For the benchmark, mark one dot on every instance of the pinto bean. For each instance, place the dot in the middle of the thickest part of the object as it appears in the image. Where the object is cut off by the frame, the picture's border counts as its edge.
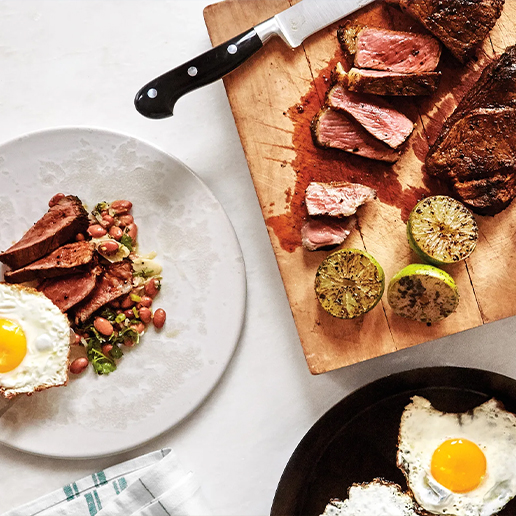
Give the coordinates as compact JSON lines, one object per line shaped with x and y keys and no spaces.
{"x":125,"y":220}
{"x":146,"y":301}
{"x":80,"y":237}
{"x":57,"y":197}
{"x":116,"y":232}
{"x":160,"y":316}
{"x":78,"y":365}
{"x":96,"y":231}
{"x":103,"y":326}
{"x":109,"y":247}
{"x":107,"y":221}
{"x":152,"y":287}
{"x":129,"y":314}
{"x":132,"y":230}
{"x":106,"y":348}
{"x":145,"y":315}
{"x":121,"y":206}
{"x":126,"y":302}
{"x":139,"y":328}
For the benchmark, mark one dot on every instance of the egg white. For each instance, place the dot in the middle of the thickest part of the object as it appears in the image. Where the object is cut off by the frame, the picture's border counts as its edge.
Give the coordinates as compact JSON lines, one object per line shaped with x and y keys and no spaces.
{"x":423,"y":429}
{"x":47,"y":332}
{"x":376,"y":498}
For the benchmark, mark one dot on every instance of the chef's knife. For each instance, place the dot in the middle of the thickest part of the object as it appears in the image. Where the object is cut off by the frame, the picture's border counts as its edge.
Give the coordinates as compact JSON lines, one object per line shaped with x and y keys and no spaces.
{"x":157,"y":98}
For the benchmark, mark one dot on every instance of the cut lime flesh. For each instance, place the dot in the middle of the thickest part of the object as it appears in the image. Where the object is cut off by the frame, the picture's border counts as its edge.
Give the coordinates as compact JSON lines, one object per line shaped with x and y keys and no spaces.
{"x":423,"y":293}
{"x":349,"y":283}
{"x":441,"y":230}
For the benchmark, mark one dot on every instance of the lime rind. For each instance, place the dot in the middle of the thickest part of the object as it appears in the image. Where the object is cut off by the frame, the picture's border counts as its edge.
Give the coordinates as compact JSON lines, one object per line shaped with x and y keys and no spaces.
{"x":441,"y":230}
{"x":349,"y":283}
{"x":423,"y":293}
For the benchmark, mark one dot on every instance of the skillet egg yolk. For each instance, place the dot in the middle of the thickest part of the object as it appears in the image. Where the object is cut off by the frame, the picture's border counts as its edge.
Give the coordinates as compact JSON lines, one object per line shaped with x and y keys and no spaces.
{"x":459,"y":465}
{"x":13,"y":345}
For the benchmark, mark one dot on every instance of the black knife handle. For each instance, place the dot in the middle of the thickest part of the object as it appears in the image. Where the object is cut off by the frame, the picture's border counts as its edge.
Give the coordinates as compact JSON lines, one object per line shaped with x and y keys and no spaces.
{"x":157,"y":98}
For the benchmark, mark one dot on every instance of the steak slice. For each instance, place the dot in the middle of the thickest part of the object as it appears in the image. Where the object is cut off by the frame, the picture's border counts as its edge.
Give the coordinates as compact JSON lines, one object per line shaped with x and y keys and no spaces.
{"x":68,"y":291}
{"x":461,"y":25}
{"x":374,"y":114}
{"x":115,"y":282}
{"x":326,"y":232}
{"x":68,"y":259}
{"x":331,"y":129}
{"x":388,"y":50}
{"x":59,"y":225}
{"x":476,"y":150}
{"x":339,"y":199}
{"x":377,"y":82}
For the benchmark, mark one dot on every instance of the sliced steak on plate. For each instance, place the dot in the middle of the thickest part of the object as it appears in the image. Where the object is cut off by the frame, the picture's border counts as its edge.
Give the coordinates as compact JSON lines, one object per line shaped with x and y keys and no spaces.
{"x":68,"y":259}
{"x":59,"y":225}
{"x":67,"y":291}
{"x":461,"y":25}
{"x":113,"y":283}
{"x":389,"y":50}
{"x":373,"y":113}
{"x":378,"y":82}
{"x":476,"y":150}
{"x":326,"y":232}
{"x":338,"y":199}
{"x":338,"y":131}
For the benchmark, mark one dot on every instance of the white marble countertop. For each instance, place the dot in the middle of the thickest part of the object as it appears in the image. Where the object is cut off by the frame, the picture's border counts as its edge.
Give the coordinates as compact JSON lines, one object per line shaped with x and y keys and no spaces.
{"x":79,"y":63}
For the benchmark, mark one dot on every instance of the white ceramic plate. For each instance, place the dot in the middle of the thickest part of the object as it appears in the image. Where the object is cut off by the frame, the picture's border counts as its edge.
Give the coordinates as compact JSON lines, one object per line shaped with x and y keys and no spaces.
{"x":162,"y":380}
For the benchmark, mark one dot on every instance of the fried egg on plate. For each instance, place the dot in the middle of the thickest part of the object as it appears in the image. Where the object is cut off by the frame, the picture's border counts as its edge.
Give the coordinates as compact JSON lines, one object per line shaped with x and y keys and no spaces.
{"x":459,"y":464}
{"x":376,"y":498}
{"x":34,"y":341}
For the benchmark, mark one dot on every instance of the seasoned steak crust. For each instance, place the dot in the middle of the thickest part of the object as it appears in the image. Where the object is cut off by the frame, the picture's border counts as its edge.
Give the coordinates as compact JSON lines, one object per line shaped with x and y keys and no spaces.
{"x":59,"y":225}
{"x":476,"y":149}
{"x":67,"y":259}
{"x":115,"y":282}
{"x":461,"y":25}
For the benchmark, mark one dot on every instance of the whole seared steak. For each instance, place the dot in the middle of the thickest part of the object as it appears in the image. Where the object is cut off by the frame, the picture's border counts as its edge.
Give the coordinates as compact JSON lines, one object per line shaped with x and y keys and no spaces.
{"x":57,"y":227}
{"x":461,"y":25}
{"x":476,"y":150}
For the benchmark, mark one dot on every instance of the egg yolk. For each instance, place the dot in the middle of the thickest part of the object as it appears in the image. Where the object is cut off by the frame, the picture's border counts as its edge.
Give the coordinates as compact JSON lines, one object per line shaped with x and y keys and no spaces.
{"x":13,"y":345}
{"x":459,"y":465}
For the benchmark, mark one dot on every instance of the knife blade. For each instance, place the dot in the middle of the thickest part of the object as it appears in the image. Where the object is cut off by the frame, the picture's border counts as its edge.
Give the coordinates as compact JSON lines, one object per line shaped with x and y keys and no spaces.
{"x":293,"y":25}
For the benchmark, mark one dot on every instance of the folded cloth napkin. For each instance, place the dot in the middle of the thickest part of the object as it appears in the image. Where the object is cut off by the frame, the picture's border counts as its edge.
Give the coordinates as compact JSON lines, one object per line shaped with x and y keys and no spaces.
{"x":154,"y":484}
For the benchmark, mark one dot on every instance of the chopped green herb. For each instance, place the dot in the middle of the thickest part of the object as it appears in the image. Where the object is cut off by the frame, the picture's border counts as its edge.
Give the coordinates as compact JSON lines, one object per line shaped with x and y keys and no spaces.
{"x":127,"y":241}
{"x":144,"y":273}
{"x":120,"y":318}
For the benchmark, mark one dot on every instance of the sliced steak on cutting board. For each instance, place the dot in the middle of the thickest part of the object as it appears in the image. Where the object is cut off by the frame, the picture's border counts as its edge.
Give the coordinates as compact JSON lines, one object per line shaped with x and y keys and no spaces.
{"x":59,"y":225}
{"x":338,"y":131}
{"x":68,"y":259}
{"x":326,"y":232}
{"x":378,"y":82}
{"x":461,"y":25}
{"x":476,"y":150}
{"x":388,"y":50}
{"x":373,"y":113}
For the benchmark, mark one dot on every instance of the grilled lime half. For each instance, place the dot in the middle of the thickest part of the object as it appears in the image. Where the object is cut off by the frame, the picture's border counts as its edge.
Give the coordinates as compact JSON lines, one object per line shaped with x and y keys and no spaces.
{"x":423,"y":293}
{"x":349,"y":283}
{"x":441,"y":230}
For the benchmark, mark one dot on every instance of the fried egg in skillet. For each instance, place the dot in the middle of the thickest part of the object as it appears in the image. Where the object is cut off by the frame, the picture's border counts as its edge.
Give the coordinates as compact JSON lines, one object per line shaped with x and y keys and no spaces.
{"x":458,"y":464}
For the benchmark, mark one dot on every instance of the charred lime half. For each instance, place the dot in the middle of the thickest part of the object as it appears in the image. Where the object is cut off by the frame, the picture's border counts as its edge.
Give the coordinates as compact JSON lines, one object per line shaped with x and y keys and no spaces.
{"x":349,"y":283}
{"x":441,"y":230}
{"x":423,"y":293}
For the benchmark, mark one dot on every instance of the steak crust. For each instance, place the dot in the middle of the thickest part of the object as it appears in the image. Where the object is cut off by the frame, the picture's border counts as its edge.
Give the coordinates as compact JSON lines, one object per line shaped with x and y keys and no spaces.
{"x":59,"y":225}
{"x":461,"y":25}
{"x":476,"y":150}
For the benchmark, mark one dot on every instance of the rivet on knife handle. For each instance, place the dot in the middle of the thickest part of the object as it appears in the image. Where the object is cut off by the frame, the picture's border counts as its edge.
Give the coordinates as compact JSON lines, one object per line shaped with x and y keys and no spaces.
{"x":157,"y":98}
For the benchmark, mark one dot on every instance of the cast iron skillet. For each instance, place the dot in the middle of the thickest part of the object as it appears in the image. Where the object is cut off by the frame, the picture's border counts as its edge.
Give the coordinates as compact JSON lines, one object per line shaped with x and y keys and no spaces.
{"x":355,"y":441}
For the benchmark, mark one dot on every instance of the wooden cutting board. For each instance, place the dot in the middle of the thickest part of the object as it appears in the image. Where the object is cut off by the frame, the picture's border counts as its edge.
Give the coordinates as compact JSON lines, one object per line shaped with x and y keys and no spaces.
{"x":273,"y":98}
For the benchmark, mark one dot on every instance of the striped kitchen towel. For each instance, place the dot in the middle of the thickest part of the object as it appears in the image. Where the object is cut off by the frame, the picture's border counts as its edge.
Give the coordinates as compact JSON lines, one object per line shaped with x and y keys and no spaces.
{"x":154,"y":484}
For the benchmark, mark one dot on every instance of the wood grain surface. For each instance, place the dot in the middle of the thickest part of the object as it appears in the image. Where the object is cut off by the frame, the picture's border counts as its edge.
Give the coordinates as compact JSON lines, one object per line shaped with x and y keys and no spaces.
{"x":273,"y":97}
